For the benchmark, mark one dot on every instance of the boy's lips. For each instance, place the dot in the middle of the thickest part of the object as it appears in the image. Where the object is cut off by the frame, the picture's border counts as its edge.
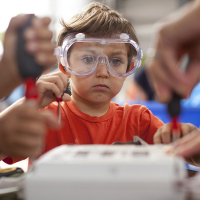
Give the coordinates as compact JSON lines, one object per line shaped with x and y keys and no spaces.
{"x":101,"y":86}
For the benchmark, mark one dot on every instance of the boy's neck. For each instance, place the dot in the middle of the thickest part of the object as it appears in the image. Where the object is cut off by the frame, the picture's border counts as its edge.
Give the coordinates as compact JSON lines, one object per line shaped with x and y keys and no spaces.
{"x":92,"y":109}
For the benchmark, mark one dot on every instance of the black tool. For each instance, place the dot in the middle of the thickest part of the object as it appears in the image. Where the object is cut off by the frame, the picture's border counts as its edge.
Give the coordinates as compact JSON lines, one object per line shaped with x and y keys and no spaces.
{"x":174,"y":106}
{"x":174,"y":110}
{"x":26,"y":62}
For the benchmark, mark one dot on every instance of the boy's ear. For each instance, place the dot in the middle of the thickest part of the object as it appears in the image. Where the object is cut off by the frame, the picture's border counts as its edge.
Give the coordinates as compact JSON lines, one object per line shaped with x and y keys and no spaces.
{"x":132,"y":65}
{"x":62,"y":69}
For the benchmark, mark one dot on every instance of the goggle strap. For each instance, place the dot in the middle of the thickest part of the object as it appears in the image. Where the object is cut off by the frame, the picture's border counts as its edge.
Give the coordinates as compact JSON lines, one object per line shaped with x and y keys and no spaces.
{"x":58,"y":52}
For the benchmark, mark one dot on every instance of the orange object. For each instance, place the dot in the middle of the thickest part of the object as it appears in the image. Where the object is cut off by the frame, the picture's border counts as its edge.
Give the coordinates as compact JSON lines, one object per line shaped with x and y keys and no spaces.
{"x":120,"y":123}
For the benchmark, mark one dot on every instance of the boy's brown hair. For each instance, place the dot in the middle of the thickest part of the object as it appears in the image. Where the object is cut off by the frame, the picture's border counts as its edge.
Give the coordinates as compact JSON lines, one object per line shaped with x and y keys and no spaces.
{"x":96,"y":19}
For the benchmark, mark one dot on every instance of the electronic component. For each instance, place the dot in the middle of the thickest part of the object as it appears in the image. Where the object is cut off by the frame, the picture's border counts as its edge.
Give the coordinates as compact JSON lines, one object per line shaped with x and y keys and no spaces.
{"x":106,"y":172}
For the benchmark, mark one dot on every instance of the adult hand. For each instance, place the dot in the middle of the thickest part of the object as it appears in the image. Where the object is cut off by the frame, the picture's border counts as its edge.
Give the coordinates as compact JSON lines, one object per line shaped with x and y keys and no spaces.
{"x":22,"y":130}
{"x":187,"y":147}
{"x":175,"y":39}
{"x":38,"y":43}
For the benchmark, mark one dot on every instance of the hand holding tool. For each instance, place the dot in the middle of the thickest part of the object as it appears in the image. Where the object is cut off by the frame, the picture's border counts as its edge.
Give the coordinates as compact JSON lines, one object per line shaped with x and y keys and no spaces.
{"x":59,"y":109}
{"x":28,"y":68}
{"x":174,"y":106}
{"x":174,"y":109}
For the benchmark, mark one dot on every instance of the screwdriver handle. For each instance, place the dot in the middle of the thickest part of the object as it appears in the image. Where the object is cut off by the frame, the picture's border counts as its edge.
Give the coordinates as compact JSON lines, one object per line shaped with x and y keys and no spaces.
{"x":26,"y":63}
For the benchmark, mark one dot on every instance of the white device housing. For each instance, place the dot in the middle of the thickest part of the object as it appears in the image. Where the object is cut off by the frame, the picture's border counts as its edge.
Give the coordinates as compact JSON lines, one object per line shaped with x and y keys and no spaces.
{"x":105,"y":172}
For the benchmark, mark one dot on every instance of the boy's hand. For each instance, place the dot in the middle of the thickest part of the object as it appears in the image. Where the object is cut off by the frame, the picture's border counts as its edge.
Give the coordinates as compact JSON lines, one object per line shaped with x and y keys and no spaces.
{"x":165,"y":135}
{"x":22,"y":130}
{"x":51,"y":86}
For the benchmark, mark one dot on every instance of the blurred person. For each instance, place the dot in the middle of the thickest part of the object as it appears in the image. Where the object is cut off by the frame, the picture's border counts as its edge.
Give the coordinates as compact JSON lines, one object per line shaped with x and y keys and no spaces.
{"x":22,"y":129}
{"x":139,"y":88}
{"x":178,"y":37}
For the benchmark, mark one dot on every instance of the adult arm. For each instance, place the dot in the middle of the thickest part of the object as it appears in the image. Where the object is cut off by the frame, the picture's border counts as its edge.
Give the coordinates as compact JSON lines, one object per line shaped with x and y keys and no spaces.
{"x":38,"y":43}
{"x":23,"y":128}
{"x":177,"y":37}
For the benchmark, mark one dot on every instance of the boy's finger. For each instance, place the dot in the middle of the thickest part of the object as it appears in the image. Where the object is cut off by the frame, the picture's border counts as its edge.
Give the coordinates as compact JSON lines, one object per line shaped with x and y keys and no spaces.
{"x":66,"y":97}
{"x":157,"y":137}
{"x":50,"y":87}
{"x":176,"y":134}
{"x":166,"y":134}
{"x":64,"y":78}
{"x":50,"y":118}
{"x":57,"y":81}
{"x":185,"y":129}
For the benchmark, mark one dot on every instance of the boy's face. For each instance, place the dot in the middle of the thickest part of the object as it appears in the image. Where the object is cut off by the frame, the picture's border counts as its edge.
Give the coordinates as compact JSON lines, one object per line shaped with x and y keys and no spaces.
{"x":100,"y":86}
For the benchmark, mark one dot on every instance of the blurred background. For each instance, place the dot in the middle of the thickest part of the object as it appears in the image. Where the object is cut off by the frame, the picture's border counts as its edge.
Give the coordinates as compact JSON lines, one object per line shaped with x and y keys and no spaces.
{"x":143,"y":14}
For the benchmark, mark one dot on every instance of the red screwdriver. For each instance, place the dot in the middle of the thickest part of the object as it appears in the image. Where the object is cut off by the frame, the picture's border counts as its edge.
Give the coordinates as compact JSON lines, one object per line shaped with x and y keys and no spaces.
{"x":28,"y":68}
{"x":174,"y":110}
{"x":174,"y":106}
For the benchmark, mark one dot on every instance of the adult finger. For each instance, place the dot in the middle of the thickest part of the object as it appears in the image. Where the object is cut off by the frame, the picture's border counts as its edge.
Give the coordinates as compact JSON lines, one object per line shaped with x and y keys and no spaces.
{"x":188,"y":145}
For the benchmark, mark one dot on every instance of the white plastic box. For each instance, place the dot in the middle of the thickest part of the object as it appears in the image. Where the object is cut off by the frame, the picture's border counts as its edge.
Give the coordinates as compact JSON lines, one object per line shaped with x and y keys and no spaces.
{"x":105,"y":172}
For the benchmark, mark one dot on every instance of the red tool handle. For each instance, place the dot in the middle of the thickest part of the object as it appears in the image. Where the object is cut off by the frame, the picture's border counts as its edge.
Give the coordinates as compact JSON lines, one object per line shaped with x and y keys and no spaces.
{"x":175,"y":125}
{"x":58,"y":99}
{"x":31,"y":89}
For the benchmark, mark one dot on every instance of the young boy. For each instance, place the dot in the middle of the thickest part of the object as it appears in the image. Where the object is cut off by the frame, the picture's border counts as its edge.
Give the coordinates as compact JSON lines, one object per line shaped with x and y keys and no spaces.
{"x":97,"y":50}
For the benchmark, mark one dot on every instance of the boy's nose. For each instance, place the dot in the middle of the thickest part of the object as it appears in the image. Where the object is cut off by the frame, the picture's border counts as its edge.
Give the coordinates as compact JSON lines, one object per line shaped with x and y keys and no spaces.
{"x":101,"y":69}
{"x":102,"y":60}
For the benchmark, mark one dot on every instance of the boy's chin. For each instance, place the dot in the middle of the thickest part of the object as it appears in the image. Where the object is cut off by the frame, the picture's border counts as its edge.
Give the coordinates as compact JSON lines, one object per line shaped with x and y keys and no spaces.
{"x":100,"y":100}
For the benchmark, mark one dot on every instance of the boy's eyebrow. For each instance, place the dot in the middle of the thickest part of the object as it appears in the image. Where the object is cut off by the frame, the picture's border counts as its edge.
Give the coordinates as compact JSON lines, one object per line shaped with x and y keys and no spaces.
{"x":89,"y":50}
{"x":94,"y":52}
{"x":119,"y":52}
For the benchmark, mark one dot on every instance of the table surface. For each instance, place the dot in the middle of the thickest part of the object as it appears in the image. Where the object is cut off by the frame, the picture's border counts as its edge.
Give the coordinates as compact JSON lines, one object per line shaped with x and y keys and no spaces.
{"x":13,"y":195}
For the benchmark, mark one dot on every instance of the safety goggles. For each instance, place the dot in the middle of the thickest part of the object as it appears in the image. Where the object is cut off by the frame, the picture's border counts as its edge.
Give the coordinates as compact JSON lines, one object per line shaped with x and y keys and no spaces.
{"x":81,"y":55}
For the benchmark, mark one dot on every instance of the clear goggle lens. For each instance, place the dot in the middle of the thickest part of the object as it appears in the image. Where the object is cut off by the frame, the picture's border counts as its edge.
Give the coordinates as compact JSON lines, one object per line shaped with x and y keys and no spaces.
{"x":81,"y":55}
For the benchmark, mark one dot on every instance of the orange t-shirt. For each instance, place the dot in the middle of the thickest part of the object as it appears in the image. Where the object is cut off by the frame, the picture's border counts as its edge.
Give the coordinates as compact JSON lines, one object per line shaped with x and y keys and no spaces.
{"x":120,"y":123}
